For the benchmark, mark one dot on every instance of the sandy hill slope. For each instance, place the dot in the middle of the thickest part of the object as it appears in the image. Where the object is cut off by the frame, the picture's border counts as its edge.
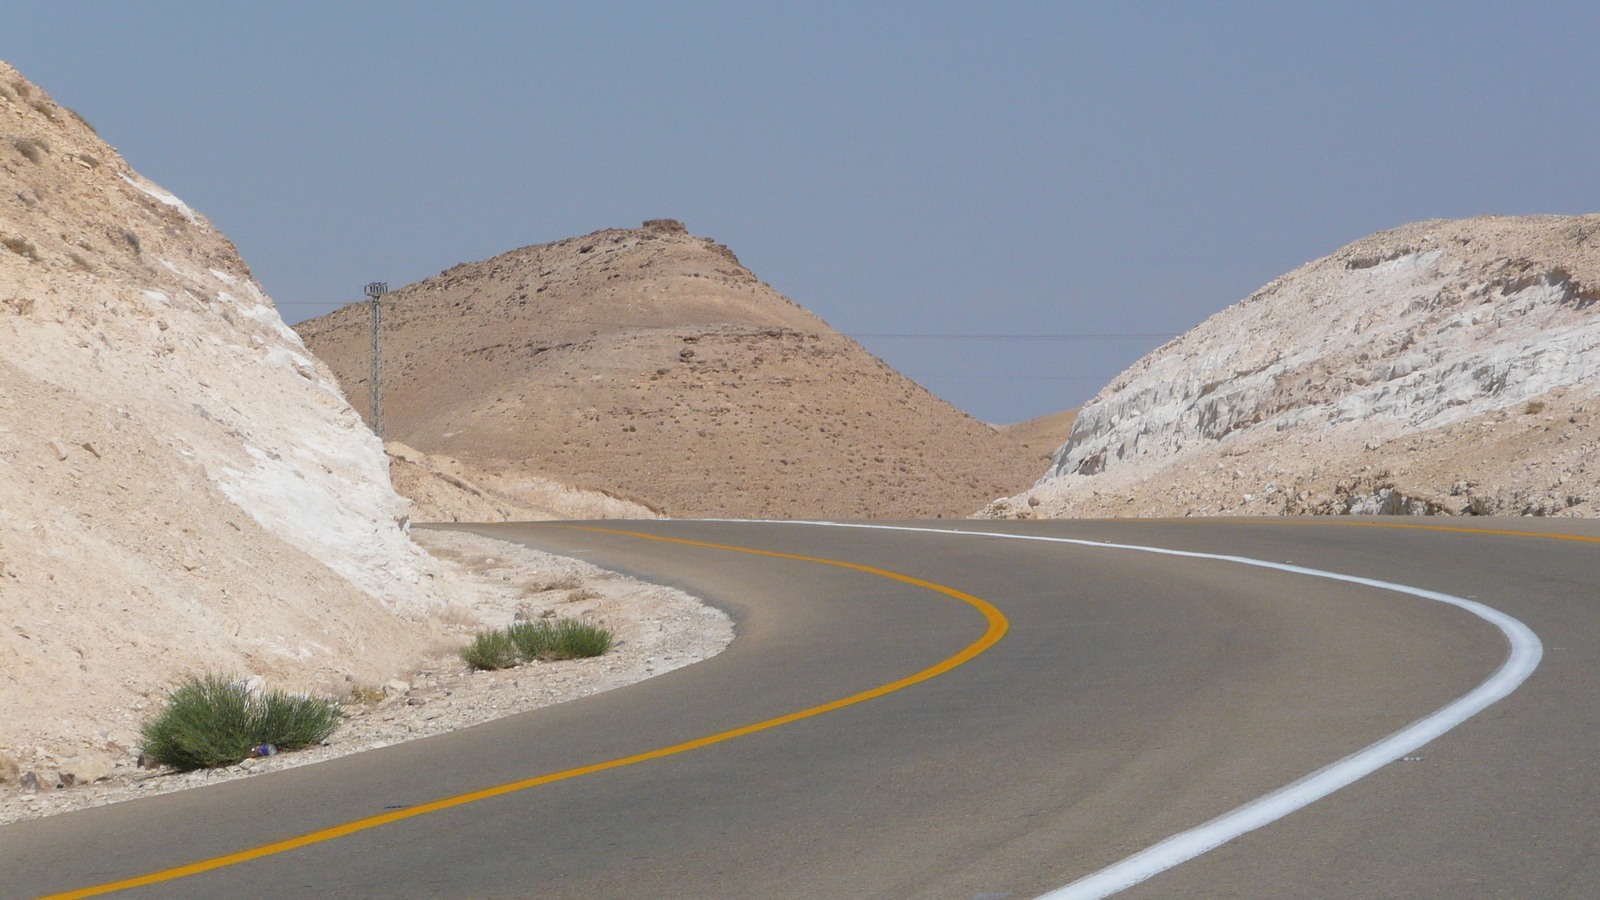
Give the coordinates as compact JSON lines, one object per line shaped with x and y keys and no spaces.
{"x":1043,"y":435}
{"x":182,"y":486}
{"x":1441,"y":367}
{"x":650,"y":363}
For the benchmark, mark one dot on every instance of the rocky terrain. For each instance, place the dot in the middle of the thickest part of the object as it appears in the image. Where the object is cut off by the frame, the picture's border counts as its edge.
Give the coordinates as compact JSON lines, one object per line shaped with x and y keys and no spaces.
{"x":183,"y":487}
{"x":1444,"y":367}
{"x":658,"y":629}
{"x":649,"y":364}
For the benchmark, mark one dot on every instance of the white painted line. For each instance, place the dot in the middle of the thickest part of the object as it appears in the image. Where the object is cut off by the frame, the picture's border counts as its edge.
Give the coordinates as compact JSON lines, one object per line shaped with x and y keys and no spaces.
{"x":1520,"y":663}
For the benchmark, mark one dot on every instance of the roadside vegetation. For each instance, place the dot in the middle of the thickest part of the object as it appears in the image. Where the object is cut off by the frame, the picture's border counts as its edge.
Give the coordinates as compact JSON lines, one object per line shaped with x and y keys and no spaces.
{"x":211,"y":721}
{"x":545,"y":639}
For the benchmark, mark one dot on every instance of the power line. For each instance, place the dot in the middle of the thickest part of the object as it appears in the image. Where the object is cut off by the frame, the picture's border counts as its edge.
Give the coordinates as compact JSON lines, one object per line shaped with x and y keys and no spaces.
{"x":879,"y":335}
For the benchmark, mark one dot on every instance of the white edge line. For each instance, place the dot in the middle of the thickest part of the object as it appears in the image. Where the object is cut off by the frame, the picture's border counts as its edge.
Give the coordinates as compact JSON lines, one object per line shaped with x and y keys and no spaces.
{"x":1526,"y":651}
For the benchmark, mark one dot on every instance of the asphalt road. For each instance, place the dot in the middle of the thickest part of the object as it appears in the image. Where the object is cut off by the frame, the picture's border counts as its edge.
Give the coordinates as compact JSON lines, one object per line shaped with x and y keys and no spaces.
{"x":1134,"y":696}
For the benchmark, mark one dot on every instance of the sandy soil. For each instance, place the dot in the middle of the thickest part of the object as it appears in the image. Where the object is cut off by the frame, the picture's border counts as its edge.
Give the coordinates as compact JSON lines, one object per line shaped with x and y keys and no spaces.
{"x":649,"y":364}
{"x":658,"y":629}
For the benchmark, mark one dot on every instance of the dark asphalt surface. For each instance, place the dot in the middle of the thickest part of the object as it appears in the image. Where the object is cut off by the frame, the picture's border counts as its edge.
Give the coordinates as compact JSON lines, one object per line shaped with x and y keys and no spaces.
{"x":1134,"y":696}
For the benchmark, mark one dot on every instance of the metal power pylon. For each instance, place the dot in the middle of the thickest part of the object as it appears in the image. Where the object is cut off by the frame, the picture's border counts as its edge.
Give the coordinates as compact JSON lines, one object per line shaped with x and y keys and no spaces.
{"x":375,"y":292}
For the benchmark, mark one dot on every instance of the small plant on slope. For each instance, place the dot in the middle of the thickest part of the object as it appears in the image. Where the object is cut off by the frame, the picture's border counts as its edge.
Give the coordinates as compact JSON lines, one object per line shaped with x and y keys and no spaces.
{"x":560,"y":639}
{"x":212,"y":721}
{"x":490,"y":650}
{"x":503,"y":648}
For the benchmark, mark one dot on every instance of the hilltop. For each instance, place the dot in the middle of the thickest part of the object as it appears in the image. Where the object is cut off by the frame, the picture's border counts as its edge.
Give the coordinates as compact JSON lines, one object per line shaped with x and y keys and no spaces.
{"x":652,"y":365}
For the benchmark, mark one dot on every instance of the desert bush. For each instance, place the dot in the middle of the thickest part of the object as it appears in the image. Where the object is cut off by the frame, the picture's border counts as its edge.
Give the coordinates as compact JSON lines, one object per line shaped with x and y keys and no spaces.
{"x":543,"y":639}
{"x":212,"y":721}
{"x":576,"y":639}
{"x":21,"y":247}
{"x":79,"y":116}
{"x":490,"y":650}
{"x":1534,"y":407}
{"x":31,"y":149}
{"x":366,"y":695}
{"x":559,"y":639}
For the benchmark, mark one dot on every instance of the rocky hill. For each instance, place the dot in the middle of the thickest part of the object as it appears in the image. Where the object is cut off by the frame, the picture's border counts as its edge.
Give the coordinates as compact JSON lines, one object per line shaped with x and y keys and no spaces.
{"x":650,"y":364}
{"x":182,"y":485}
{"x":1444,"y":367}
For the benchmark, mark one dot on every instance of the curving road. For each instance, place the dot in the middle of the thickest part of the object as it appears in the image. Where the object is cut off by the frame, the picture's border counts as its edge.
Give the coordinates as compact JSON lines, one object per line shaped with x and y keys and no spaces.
{"x":1132,"y":696}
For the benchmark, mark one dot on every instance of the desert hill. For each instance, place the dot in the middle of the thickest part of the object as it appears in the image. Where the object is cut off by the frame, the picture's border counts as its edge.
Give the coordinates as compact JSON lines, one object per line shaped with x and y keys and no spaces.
{"x":649,"y":363}
{"x":182,"y":486}
{"x":1444,"y":367}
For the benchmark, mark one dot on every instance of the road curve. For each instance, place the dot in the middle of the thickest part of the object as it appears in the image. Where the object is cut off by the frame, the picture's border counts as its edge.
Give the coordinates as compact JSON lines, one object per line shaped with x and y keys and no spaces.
{"x":1133,"y":697}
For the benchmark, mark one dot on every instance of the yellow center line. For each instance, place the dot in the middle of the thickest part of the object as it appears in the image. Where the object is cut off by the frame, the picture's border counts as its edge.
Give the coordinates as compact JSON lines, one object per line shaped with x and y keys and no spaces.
{"x":995,"y":631}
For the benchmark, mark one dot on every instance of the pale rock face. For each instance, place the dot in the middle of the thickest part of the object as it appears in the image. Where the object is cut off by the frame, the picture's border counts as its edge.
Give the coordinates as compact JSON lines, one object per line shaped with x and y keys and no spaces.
{"x":1415,"y":333}
{"x":182,"y":485}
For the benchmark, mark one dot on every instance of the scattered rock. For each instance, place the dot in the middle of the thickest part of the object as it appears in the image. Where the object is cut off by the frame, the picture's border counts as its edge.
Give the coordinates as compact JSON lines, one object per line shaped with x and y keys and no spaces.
{"x":86,"y":769}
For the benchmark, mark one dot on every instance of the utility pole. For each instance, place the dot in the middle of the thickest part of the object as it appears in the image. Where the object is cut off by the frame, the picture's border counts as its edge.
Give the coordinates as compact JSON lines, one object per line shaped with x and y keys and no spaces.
{"x":375,"y":292}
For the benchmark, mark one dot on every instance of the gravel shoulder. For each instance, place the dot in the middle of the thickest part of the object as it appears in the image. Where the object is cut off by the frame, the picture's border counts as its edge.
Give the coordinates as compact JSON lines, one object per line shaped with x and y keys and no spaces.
{"x":658,"y":629}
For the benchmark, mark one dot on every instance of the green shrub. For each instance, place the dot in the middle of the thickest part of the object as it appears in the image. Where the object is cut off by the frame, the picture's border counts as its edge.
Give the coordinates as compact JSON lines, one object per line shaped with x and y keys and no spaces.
{"x":212,"y":721}
{"x":559,"y":639}
{"x":575,"y":639}
{"x":532,"y":639}
{"x":544,"y":639}
{"x":490,"y":650}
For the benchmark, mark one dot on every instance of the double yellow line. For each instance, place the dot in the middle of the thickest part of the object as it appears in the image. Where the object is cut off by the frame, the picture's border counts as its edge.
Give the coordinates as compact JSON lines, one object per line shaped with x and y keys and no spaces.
{"x":997,"y":626}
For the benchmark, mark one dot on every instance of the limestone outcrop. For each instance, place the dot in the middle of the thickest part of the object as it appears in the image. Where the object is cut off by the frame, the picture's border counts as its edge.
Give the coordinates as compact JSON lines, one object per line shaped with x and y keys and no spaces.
{"x":182,"y":485}
{"x":1441,"y":367}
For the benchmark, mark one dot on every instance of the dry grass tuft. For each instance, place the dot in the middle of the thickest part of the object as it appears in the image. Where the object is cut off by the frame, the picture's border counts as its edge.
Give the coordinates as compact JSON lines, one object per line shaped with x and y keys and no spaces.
{"x":31,"y":149}
{"x":85,"y":122}
{"x":21,"y":247}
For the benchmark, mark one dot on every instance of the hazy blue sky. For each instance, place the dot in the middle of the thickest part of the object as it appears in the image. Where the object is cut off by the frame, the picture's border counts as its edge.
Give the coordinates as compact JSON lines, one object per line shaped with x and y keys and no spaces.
{"x":1062,"y":168}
